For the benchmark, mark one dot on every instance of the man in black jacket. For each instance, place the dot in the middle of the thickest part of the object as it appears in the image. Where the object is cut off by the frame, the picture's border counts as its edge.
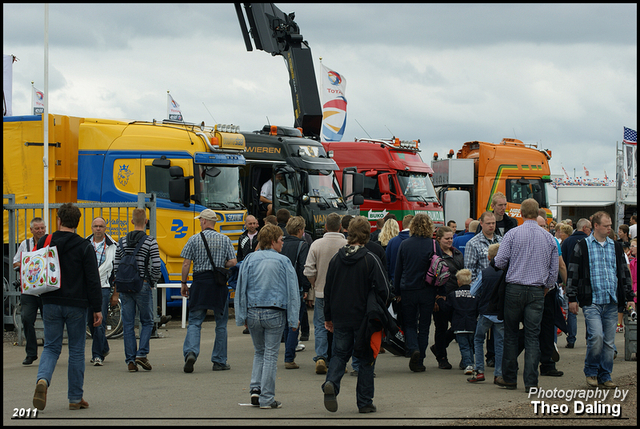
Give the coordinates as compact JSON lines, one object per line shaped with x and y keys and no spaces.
{"x":583,"y":229}
{"x":248,"y":240}
{"x":353,"y":273}
{"x":599,"y":282}
{"x":296,"y":249}
{"x":79,"y":290}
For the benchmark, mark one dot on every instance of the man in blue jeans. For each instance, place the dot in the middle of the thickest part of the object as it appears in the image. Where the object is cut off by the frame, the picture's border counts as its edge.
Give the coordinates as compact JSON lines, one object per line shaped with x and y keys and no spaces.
{"x":315,"y":268}
{"x":148,"y":263}
{"x":530,"y":256}
{"x":205,"y":294}
{"x":599,"y":282}
{"x":67,"y":306}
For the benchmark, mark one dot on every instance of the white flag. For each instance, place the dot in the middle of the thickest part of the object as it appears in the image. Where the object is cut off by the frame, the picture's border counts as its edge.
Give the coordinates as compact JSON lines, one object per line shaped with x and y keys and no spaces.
{"x":38,"y":101}
{"x":173,"y":109}
{"x":7,"y":83}
{"x":334,"y":105}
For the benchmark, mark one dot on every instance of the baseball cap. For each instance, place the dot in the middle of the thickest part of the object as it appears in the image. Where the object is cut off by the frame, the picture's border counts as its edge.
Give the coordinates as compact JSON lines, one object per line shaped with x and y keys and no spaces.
{"x":207,"y":214}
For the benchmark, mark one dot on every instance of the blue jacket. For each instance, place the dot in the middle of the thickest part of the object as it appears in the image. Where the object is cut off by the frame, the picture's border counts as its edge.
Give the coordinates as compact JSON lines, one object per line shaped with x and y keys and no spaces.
{"x":392,"y":252}
{"x":412,"y":263}
{"x":460,"y":242}
{"x":267,"y":279}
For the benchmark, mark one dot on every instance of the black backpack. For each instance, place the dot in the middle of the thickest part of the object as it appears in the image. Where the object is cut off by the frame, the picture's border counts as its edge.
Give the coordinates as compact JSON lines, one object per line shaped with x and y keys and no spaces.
{"x":128,"y":278}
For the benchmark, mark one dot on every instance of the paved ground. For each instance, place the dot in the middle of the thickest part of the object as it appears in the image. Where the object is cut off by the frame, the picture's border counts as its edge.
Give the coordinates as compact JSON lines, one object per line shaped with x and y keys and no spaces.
{"x":168,"y":396}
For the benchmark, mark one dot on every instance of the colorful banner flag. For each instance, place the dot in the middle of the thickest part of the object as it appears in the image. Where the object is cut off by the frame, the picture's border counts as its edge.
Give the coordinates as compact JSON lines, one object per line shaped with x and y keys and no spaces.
{"x":630,"y":145}
{"x":37,"y":101}
{"x":173,"y":109}
{"x":334,"y":105}
{"x":7,"y":84}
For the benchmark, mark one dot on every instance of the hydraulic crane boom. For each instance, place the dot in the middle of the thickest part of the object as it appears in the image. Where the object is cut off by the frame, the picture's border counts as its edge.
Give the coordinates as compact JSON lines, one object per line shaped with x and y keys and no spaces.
{"x":275,"y":32}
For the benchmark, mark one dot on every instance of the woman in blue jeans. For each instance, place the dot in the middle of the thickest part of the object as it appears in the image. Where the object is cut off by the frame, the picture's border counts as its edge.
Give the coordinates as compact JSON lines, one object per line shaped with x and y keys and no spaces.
{"x":267,"y":297}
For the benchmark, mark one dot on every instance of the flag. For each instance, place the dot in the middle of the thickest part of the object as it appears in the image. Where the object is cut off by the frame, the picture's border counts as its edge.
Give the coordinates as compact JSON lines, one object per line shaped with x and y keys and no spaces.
{"x":586,"y":172}
{"x":565,"y":172}
{"x":173,"y":109}
{"x":630,"y":136}
{"x":37,"y":101}
{"x":7,"y":84}
{"x":630,"y":145}
{"x":334,"y":105}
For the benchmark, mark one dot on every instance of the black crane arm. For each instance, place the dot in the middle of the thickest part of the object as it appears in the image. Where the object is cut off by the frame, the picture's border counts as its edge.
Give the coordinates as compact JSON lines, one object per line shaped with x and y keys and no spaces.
{"x":275,"y":32}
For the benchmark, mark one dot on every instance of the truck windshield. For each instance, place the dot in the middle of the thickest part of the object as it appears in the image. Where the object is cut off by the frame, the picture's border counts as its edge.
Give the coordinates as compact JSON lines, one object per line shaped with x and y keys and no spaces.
{"x":323,"y":188}
{"x":519,"y":190}
{"x":219,"y":187}
{"x":417,"y":187}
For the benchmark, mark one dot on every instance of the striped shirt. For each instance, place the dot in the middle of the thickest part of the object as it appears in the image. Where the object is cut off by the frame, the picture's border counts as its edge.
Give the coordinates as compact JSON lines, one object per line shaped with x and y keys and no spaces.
{"x":220,"y":247}
{"x":532,"y":255}
{"x":602,"y":268}
{"x":150,"y":247}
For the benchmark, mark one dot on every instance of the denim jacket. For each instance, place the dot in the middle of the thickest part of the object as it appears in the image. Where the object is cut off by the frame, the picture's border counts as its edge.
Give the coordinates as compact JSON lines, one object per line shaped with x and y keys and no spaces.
{"x":267,"y":279}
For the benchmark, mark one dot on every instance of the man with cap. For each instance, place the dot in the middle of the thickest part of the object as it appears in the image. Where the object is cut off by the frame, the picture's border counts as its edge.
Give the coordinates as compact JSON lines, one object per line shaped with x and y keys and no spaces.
{"x":205,"y":293}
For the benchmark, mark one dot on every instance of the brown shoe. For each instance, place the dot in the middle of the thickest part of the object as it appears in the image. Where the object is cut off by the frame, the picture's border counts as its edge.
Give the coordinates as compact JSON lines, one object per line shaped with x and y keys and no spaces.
{"x":40,"y":395}
{"x":78,"y":405}
{"x":144,"y":363}
{"x":291,"y":365}
{"x":133,"y":367}
{"x":321,"y":366}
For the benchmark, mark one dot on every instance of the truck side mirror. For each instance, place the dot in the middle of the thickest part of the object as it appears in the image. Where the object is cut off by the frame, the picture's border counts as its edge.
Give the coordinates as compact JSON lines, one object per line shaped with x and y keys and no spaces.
{"x":179,"y":191}
{"x":358,"y":200}
{"x":386,"y":198}
{"x":383,"y":183}
{"x":179,"y":186}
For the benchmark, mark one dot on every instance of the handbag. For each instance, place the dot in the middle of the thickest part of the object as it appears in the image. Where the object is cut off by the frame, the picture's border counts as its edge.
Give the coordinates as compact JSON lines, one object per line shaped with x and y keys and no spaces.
{"x":40,"y":269}
{"x":221,"y":275}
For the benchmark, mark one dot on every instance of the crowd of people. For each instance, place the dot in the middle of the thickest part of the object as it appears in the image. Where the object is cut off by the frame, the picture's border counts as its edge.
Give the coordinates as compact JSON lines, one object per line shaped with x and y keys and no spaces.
{"x":512,"y":287}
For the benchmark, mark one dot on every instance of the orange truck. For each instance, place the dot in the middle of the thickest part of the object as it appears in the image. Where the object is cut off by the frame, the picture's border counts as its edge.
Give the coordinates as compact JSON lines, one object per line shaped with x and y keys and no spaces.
{"x":466,"y":183}
{"x":396,"y":179}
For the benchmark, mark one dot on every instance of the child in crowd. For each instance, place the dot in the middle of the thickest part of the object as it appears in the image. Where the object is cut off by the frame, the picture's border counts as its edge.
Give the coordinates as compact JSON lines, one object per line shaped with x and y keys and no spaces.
{"x":482,"y":289}
{"x":464,"y":317}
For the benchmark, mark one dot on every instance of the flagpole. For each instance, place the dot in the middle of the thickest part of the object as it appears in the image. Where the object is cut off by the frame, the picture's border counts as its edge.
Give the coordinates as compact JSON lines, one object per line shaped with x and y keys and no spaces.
{"x":45,"y":118}
{"x":33,"y":90}
{"x":168,"y":105}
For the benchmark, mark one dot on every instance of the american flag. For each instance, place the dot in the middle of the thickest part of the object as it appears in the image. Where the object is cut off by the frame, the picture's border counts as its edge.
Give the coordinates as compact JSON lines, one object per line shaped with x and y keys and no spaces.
{"x":630,"y":136}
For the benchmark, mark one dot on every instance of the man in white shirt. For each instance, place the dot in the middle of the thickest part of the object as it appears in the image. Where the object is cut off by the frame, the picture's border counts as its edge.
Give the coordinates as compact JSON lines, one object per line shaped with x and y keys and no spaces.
{"x":29,"y":304}
{"x":633,"y":228}
{"x":266,"y":193}
{"x":105,"y":249}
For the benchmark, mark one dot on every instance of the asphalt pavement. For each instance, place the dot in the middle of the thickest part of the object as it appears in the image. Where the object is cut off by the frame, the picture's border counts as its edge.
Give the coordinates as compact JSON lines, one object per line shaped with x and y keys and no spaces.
{"x":168,"y":396}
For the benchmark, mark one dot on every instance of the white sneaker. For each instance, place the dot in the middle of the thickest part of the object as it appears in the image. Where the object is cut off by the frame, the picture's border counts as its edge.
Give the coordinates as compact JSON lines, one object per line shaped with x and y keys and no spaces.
{"x":97,"y":362}
{"x":300,"y":347}
{"x":468,"y":370}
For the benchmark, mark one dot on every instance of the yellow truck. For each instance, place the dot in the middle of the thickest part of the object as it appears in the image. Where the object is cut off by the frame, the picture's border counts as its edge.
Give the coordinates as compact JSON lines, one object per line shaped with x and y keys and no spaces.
{"x":189,"y":168}
{"x":466,"y":183}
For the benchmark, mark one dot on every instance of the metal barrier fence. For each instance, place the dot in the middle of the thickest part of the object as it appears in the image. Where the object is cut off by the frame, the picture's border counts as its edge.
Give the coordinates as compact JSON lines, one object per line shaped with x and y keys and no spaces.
{"x":17,"y":219}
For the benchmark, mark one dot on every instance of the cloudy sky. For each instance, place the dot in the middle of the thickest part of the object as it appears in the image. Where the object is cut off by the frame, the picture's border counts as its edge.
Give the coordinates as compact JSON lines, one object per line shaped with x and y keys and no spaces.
{"x":562,"y":76}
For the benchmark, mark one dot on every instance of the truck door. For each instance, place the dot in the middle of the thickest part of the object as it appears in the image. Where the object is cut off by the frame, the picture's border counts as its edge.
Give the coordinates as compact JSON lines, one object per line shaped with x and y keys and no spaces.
{"x":378,"y":199}
{"x":175,"y":222}
{"x":286,"y":190}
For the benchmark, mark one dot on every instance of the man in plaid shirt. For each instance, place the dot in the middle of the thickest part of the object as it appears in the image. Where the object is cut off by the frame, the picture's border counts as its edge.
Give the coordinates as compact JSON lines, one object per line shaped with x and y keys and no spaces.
{"x":205,"y":293}
{"x":599,"y":281}
{"x":477,"y":249}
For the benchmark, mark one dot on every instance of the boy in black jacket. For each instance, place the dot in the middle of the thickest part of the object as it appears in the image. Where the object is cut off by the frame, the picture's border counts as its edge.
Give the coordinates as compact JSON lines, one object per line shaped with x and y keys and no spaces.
{"x":463,"y":320}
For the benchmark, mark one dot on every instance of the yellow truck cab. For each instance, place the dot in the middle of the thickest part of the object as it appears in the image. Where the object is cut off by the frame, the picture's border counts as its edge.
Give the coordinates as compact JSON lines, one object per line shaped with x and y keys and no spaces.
{"x":189,"y":168}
